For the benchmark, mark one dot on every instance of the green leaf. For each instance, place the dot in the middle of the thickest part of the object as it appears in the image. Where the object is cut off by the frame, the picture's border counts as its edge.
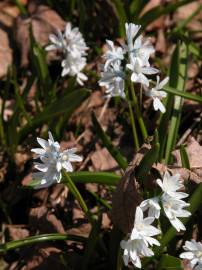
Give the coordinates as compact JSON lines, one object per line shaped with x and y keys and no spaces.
{"x":116,"y":154}
{"x":160,"y":10}
{"x":73,"y":189}
{"x":103,"y":178}
{"x":165,"y":118}
{"x":148,"y":160}
{"x":184,"y":157}
{"x":120,"y":11}
{"x":168,"y":262}
{"x":180,"y":93}
{"x":38,"y":239}
{"x":66,"y":104}
{"x":136,"y":7}
{"x":180,"y":79}
{"x":91,"y":243}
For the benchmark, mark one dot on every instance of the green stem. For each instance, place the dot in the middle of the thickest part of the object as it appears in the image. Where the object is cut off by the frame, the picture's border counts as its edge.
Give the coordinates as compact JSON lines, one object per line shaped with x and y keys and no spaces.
{"x":2,"y":134}
{"x":37,"y":239}
{"x":72,"y":187}
{"x":138,"y":113}
{"x":132,"y":120}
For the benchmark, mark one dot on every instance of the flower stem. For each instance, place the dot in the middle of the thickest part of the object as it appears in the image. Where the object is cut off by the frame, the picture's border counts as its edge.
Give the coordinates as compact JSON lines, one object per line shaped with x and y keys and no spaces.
{"x":132,"y":120}
{"x":72,"y":187}
{"x":138,"y":113}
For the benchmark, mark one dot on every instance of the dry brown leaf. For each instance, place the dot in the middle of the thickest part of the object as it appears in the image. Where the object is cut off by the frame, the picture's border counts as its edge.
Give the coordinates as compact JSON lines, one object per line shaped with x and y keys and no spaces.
{"x":16,"y":232}
{"x":186,"y":175}
{"x":127,"y":196}
{"x":6,"y":57}
{"x":124,"y":201}
{"x":103,"y":161}
{"x":194,"y":152}
{"x":83,"y":230}
{"x":43,"y":21}
{"x":44,"y":221}
{"x":8,"y":13}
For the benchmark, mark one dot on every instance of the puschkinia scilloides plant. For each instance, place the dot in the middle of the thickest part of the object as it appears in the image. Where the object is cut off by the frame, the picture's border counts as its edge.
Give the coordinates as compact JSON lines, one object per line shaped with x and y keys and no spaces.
{"x":72,"y":46}
{"x":53,"y":160}
{"x":169,"y":203}
{"x":128,"y":64}
{"x":126,"y":70}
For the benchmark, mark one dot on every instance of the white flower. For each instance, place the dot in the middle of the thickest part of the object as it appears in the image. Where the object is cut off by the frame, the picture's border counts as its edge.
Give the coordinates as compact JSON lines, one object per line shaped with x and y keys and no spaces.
{"x":133,"y":249}
{"x":153,"y":207}
{"x":136,"y":48}
{"x":73,"y":66}
{"x":141,"y":237}
{"x":143,"y":229}
{"x":113,"y":54}
{"x":157,"y":95}
{"x":75,"y":43}
{"x":171,"y":184}
{"x":53,"y":160}
{"x":73,"y":46}
{"x":113,"y":80}
{"x":142,"y":51}
{"x":193,"y":254}
{"x":131,"y":31}
{"x":173,"y":209}
{"x":139,"y":71}
{"x":57,"y":42}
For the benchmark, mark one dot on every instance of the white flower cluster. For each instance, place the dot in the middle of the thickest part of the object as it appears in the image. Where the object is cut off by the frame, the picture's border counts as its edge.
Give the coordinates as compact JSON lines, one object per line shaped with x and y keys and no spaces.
{"x":171,"y":199}
{"x":193,"y":254}
{"x":140,"y":239}
{"x":52,"y":161}
{"x":72,"y":44}
{"x":135,"y":56}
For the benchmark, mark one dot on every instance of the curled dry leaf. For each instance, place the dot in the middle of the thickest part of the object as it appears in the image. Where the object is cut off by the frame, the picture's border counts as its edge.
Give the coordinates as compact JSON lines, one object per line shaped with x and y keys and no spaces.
{"x":125,"y":200}
{"x":43,"y":22}
{"x":6,"y":57}
{"x":127,"y":195}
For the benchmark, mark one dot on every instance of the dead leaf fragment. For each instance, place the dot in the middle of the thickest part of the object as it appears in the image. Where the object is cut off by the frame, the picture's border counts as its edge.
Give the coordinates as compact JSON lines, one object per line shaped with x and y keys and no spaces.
{"x":6,"y":56}
{"x":103,"y":161}
{"x":43,"y":22}
{"x":124,"y":201}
